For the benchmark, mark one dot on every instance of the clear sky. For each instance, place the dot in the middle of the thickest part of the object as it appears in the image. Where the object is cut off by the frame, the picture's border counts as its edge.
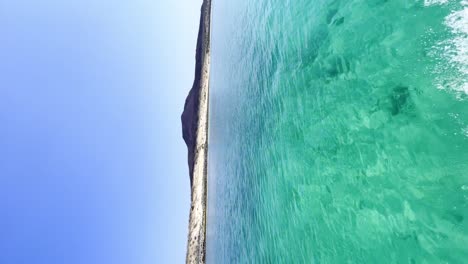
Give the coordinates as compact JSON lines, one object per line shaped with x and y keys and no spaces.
{"x":92,"y":162}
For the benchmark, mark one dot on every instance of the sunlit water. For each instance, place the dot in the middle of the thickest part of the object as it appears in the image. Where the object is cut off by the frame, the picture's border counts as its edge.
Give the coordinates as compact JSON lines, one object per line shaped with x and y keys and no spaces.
{"x":338,"y":132}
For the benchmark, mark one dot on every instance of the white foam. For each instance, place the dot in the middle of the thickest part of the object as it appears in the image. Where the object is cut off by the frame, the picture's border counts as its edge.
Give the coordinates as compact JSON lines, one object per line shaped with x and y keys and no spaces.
{"x":452,"y":70}
{"x":434,"y":2}
{"x":457,"y":21}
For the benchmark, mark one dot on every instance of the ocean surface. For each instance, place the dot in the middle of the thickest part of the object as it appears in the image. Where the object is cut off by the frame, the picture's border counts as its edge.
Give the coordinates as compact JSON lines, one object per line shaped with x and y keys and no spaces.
{"x":338,"y":132}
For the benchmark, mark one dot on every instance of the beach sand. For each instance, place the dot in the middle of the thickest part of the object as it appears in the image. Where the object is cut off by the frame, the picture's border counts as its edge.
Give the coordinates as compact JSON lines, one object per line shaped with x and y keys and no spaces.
{"x":195,"y":133}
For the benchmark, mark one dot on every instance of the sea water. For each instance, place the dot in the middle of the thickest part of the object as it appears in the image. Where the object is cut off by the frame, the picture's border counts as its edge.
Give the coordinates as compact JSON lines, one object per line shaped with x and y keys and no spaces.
{"x":338,"y":132}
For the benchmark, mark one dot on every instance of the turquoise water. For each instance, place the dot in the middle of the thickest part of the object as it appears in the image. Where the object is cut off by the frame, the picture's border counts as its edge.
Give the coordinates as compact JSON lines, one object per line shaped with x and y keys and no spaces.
{"x":338,"y":132}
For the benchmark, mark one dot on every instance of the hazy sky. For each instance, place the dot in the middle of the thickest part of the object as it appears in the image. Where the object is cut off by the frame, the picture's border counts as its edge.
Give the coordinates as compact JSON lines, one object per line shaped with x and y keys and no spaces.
{"x":92,"y":164}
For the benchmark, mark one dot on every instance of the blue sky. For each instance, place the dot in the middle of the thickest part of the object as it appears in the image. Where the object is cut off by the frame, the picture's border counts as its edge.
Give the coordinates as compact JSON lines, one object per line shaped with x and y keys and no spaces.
{"x":92,"y":164}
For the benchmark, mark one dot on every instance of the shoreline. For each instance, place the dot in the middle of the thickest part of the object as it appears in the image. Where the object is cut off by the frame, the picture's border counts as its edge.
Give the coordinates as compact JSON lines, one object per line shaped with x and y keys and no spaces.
{"x":195,"y":133}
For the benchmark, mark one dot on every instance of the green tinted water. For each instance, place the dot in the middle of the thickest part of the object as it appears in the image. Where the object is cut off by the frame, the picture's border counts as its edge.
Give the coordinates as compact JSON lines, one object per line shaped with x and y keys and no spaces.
{"x":338,"y":132}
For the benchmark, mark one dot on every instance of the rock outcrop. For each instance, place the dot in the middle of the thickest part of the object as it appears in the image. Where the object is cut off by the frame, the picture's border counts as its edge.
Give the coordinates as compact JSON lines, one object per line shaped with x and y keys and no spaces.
{"x":195,"y":133}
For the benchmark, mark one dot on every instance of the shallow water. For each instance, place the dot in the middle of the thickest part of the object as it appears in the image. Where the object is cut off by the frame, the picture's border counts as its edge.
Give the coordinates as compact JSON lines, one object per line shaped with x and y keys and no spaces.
{"x":338,"y":132}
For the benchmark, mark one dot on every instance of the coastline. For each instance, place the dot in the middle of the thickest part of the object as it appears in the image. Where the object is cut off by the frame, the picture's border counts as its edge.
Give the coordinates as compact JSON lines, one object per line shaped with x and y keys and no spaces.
{"x":195,"y":134}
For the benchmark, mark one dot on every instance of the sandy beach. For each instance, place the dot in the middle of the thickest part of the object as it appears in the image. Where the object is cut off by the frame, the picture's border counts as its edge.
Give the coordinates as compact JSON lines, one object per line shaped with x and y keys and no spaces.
{"x":195,"y":133}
